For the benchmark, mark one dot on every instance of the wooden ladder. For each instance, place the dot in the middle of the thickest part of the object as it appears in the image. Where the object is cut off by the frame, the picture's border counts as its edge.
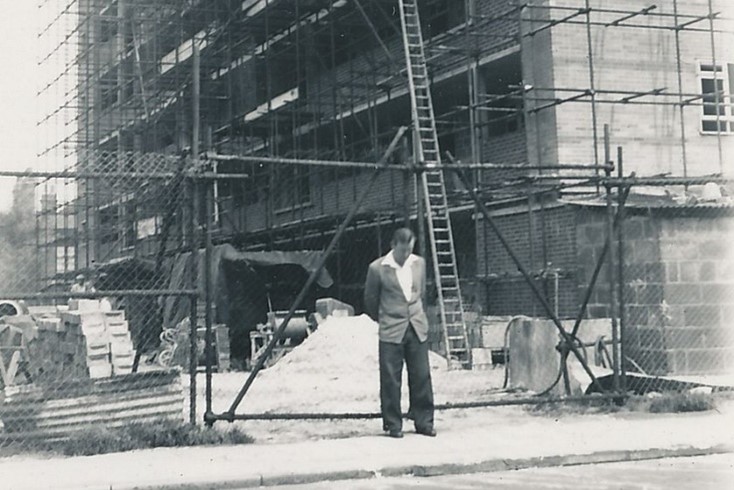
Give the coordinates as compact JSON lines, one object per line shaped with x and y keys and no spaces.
{"x":434,"y":190}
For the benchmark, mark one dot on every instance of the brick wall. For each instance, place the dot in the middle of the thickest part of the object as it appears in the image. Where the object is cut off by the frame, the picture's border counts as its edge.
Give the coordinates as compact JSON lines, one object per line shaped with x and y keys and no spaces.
{"x":506,"y":292}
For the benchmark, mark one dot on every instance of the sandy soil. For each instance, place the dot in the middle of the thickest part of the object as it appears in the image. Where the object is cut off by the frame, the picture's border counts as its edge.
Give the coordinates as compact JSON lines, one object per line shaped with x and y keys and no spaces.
{"x":335,"y":370}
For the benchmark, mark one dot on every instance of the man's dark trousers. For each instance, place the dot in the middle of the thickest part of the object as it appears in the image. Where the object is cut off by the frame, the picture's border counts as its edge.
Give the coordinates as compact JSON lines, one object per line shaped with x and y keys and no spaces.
{"x":415,"y":354}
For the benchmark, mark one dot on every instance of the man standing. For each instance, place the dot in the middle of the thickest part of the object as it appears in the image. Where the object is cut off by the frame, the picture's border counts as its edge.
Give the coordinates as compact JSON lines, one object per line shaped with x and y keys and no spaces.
{"x":393,"y":296}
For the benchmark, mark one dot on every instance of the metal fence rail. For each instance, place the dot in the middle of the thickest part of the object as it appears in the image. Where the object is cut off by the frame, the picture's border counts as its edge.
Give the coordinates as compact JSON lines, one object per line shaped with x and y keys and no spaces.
{"x":131,"y":297}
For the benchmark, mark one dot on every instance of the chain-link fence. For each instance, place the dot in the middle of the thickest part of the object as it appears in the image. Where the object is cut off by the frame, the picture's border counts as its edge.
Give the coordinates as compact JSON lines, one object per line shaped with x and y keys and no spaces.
{"x":556,"y":290}
{"x":94,"y":304}
{"x":142,"y":286}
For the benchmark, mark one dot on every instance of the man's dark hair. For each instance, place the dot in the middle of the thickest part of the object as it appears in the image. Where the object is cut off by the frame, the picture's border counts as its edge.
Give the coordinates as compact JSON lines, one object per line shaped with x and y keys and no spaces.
{"x":402,"y":235}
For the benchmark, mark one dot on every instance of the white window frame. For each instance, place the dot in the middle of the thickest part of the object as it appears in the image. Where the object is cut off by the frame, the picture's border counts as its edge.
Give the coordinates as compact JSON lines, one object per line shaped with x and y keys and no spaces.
{"x":725,"y":99}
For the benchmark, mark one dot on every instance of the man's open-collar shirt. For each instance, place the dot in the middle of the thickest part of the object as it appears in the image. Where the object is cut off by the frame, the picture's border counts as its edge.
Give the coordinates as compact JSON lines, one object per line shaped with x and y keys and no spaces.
{"x":404,"y":273}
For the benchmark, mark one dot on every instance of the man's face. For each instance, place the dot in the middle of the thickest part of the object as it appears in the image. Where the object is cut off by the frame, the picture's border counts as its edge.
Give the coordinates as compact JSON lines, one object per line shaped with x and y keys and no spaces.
{"x":402,"y":250}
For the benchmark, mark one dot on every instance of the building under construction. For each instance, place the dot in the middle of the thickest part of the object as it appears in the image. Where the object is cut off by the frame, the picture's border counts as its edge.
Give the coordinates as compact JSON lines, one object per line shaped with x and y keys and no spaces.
{"x":300,"y":99}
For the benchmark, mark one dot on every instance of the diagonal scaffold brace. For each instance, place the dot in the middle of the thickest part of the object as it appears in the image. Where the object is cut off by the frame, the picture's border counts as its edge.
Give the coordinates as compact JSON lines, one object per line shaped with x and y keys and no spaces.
{"x":567,"y":339}
{"x":383,"y":163}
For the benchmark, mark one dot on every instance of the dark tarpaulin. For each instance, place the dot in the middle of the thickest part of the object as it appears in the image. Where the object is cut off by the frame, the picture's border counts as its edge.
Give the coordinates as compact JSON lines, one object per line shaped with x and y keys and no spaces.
{"x":177,"y":308}
{"x":306,"y":259}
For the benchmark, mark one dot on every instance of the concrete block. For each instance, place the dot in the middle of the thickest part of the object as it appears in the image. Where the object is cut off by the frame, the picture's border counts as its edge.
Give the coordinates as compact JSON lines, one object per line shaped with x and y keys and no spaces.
{"x":707,"y":272}
{"x":718,"y":293}
{"x":685,"y":338}
{"x":118,"y":349}
{"x":650,"y":338}
{"x":689,"y":271}
{"x":481,"y":358}
{"x":123,"y":361}
{"x":99,"y":370}
{"x":96,"y":358}
{"x":118,"y":329}
{"x":715,"y":249}
{"x":701,"y":315}
{"x":122,"y":370}
{"x":84,"y":305}
{"x":710,"y":361}
{"x":80,"y":317}
{"x":672,"y":272}
{"x":114,"y":316}
{"x":683,"y":294}
{"x":328,"y":306}
{"x":492,"y":331}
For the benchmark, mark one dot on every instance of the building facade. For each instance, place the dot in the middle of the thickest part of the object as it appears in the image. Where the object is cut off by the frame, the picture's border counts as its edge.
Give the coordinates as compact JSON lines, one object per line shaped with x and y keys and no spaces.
{"x":534,"y":87}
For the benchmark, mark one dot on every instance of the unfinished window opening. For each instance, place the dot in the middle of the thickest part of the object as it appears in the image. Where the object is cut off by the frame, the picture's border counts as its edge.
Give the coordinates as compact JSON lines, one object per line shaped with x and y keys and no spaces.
{"x":107,"y":28}
{"x":438,"y":16}
{"x":293,"y":187}
{"x":107,"y":91}
{"x":501,"y":110}
{"x":256,"y":187}
{"x":129,"y":231}
{"x":108,"y":220}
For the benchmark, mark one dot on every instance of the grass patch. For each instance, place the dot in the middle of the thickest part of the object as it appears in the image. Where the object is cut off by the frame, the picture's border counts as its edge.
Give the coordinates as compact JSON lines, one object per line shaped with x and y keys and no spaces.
{"x":671,"y":402}
{"x":146,"y":435}
{"x":681,"y":402}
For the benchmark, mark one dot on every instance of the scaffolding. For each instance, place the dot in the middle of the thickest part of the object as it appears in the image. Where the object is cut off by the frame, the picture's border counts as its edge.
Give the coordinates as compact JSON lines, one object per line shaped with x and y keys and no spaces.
{"x":265,"y":88}
{"x":170,"y":126}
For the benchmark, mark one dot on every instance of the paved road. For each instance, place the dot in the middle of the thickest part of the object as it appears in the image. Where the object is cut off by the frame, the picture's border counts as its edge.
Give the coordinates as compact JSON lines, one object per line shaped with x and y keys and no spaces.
{"x":699,"y":473}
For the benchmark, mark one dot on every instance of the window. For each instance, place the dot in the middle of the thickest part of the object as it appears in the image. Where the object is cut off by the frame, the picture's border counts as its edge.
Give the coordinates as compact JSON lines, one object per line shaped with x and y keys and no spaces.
{"x":65,"y":259}
{"x":148,"y":227}
{"x":717,"y":85}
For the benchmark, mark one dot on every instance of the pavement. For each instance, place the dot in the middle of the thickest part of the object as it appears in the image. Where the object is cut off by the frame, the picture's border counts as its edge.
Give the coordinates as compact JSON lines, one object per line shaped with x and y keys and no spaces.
{"x":525,"y":442}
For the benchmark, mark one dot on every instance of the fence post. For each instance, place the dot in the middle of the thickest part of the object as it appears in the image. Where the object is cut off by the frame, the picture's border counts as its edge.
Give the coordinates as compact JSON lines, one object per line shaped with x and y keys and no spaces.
{"x":193,"y":274}
{"x":620,"y":278}
{"x":208,"y":297}
{"x":610,"y":264}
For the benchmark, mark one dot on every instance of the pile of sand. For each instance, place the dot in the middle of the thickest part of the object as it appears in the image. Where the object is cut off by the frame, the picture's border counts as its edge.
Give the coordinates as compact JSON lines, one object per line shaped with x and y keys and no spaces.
{"x":336,"y":370}
{"x":342,"y":345}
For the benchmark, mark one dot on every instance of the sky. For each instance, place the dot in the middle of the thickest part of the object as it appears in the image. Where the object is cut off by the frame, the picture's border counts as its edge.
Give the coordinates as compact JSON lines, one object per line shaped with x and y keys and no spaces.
{"x":18,"y":112}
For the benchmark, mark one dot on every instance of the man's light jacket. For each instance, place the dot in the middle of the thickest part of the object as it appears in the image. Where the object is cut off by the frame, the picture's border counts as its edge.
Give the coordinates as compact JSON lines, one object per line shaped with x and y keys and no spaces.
{"x":385,"y":302}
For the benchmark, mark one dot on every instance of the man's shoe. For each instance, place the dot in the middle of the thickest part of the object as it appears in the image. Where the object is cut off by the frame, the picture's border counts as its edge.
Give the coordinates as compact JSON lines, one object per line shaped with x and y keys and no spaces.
{"x":430,"y":432}
{"x":397,"y":434}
